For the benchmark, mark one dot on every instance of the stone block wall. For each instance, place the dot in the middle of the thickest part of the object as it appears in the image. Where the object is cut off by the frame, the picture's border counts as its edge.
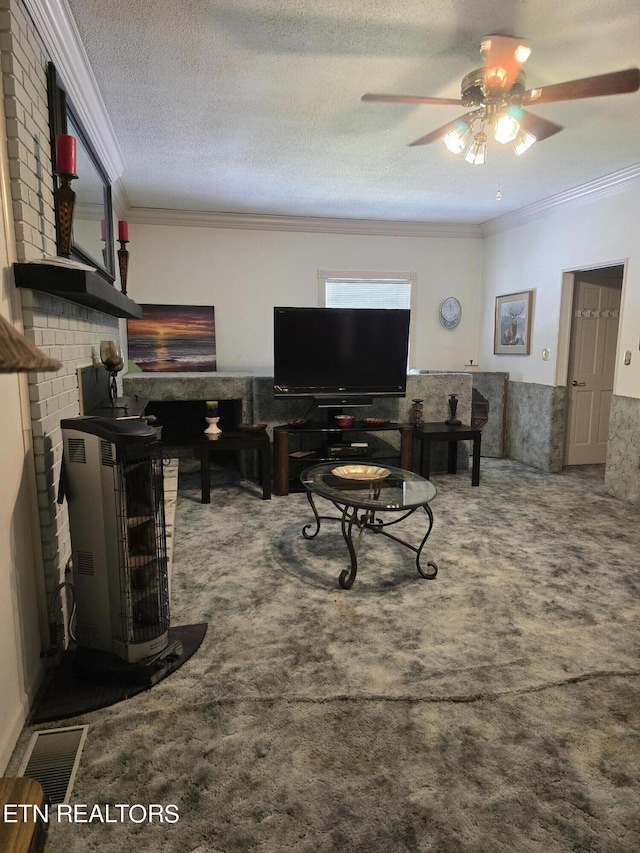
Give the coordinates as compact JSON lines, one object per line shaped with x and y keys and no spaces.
{"x":493,"y":387}
{"x":622,"y":474}
{"x":536,"y":424}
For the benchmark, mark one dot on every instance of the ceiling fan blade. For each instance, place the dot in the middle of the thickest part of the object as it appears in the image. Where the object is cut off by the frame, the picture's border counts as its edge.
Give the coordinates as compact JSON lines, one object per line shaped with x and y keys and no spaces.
{"x":615,"y":83}
{"x":409,"y":99}
{"x":442,"y":131}
{"x":540,"y":127}
{"x":503,"y":57}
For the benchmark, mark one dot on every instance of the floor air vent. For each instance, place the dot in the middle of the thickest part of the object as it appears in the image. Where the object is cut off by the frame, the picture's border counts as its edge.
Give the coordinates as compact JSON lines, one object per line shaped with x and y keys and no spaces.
{"x":52,"y":759}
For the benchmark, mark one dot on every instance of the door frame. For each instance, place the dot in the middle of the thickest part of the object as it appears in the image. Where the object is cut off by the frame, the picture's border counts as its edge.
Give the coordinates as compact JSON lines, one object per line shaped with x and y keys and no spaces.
{"x":565,"y":338}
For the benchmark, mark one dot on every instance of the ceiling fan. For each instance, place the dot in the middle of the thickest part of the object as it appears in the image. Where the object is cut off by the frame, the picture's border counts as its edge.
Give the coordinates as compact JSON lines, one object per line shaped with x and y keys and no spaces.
{"x":496,"y":94}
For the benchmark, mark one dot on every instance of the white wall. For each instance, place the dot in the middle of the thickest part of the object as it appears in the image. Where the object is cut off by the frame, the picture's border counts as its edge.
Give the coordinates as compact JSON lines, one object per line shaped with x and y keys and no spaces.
{"x":534,"y":256}
{"x":20,"y":664}
{"x":245,"y":273}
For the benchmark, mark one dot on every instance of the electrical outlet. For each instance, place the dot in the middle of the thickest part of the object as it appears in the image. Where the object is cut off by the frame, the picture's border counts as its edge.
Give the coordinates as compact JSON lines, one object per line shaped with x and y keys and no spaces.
{"x":627,"y":357}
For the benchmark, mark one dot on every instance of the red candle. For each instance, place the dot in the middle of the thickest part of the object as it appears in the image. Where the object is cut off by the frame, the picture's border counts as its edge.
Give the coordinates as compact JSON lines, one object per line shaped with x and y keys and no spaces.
{"x":123,"y":230}
{"x":66,"y":154}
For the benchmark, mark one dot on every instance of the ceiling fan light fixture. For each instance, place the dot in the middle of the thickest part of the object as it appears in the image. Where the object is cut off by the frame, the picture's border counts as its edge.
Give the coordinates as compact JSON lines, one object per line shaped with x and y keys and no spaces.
{"x":458,"y":138}
{"x":476,"y":153}
{"x":506,"y":129}
{"x":523,"y":141}
{"x":496,"y":76}
{"x":495,"y":95}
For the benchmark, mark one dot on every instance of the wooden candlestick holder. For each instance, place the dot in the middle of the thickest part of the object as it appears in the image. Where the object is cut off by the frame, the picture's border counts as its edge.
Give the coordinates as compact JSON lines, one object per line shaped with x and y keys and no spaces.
{"x":123,"y":261}
{"x":65,"y":200}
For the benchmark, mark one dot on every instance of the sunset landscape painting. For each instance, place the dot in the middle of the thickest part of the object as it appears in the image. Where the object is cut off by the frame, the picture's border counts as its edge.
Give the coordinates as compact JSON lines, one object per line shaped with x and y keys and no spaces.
{"x":173,"y":338}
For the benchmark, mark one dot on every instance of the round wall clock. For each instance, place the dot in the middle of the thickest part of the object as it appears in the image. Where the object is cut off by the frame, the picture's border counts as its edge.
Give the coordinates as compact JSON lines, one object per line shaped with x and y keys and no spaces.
{"x":450,"y":312}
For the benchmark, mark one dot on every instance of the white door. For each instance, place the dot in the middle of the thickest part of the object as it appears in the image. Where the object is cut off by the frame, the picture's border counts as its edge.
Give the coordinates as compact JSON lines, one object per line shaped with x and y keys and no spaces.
{"x":594,"y":336}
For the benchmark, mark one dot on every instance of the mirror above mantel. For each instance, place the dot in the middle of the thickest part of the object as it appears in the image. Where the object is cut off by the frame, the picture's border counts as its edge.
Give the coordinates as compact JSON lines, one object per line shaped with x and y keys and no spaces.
{"x":92,"y":237}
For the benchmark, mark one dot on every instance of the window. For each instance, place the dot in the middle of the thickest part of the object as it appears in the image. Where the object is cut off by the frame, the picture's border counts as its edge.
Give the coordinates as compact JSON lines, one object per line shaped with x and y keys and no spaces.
{"x":356,"y":289}
{"x":366,"y":289}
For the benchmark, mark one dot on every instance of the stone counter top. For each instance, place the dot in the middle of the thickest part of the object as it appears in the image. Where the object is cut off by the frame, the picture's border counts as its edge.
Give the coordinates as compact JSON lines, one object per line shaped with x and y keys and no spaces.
{"x":189,"y":386}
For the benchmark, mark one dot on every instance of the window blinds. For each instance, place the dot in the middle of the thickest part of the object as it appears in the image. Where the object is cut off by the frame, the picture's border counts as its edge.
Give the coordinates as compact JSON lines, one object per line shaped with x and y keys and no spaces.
{"x":360,"y":293}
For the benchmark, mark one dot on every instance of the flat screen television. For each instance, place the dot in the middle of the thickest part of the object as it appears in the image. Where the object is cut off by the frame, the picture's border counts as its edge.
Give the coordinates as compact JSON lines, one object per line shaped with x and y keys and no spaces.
{"x":340,"y":356}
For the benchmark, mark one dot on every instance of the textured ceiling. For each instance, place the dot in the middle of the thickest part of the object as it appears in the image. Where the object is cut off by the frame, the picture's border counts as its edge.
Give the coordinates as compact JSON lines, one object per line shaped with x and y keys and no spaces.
{"x":253,"y":106}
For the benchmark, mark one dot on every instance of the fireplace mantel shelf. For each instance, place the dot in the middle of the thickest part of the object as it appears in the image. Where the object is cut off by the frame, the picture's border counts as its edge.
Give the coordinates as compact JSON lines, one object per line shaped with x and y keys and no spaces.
{"x":80,"y":286}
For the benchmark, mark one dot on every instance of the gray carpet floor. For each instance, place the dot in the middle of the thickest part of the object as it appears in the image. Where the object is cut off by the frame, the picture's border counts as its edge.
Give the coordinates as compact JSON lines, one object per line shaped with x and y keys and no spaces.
{"x":495,"y":708}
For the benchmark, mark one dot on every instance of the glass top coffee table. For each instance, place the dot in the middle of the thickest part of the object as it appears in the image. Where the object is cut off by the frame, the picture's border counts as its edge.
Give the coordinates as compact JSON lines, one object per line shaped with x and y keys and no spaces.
{"x":361,"y":493}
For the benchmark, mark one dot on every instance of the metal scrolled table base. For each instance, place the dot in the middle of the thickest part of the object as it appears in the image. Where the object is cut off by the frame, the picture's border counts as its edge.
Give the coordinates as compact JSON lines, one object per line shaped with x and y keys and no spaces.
{"x":367,"y":520}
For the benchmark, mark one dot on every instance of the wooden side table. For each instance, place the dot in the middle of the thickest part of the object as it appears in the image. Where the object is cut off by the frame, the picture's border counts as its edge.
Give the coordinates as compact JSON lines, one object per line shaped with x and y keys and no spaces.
{"x":240,"y":440}
{"x":427,"y":433}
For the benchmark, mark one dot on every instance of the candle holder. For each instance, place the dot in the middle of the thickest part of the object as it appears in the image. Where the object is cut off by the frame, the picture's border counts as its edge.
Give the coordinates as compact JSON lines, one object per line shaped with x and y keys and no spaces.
{"x":213,"y":430}
{"x":111,"y":357}
{"x":417,"y":412}
{"x":65,"y":200}
{"x":453,"y":408}
{"x":123,"y":261}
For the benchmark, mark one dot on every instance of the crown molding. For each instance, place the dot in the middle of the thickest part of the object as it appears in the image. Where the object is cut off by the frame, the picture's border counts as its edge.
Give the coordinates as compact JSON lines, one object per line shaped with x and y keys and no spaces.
{"x":608,"y":185}
{"x":57,"y":29}
{"x":56,"y":26}
{"x":311,"y":224}
{"x":119,"y":200}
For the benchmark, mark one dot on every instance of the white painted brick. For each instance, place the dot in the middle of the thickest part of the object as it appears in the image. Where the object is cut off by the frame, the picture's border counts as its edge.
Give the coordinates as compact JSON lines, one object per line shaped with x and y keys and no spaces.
{"x":47,"y":518}
{"x":57,"y":386}
{"x":65,"y":331}
{"x":38,"y":410}
{"x":7,"y":63}
{"x":50,"y":549}
{"x":40,"y":464}
{"x":46,"y":389}
{"x":34,"y":335}
{"x":43,"y":500}
{"x":13,"y":127}
{"x":50,"y":534}
{"x":20,"y":192}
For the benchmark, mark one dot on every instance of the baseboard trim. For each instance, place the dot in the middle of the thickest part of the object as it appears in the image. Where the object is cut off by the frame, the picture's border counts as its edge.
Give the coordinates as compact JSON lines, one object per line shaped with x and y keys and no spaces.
{"x":13,"y":730}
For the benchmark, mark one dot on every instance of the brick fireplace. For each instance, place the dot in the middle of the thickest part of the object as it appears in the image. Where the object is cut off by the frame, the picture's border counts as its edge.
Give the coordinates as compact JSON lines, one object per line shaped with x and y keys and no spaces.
{"x":66,"y":331}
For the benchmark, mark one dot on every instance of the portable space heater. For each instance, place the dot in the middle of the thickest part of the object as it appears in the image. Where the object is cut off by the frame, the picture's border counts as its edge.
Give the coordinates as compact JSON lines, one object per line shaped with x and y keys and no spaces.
{"x":113,"y":482}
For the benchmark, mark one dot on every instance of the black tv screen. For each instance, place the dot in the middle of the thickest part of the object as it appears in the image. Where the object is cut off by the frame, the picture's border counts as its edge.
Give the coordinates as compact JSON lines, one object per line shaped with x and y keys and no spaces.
{"x":340,"y":353}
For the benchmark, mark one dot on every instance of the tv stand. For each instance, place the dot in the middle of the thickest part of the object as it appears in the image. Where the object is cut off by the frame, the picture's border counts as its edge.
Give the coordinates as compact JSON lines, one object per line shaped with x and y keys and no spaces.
{"x":332,"y":402}
{"x":283,"y":457}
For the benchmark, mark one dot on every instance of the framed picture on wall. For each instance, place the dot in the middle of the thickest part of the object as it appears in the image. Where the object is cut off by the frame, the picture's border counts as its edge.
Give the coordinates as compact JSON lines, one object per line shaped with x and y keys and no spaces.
{"x":512,"y":334}
{"x":172,"y":338}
